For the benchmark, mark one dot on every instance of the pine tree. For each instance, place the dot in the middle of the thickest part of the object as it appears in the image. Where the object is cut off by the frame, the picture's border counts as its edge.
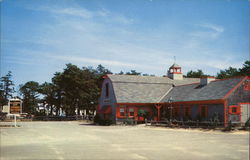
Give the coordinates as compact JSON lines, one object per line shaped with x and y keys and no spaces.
{"x":6,"y":88}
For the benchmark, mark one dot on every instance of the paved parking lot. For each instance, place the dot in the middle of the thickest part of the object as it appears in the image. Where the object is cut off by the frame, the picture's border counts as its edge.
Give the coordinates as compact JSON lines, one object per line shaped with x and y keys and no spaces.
{"x":79,"y":140}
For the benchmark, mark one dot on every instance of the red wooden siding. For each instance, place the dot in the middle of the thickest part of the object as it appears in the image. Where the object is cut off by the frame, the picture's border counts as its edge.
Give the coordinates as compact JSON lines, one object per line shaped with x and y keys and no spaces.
{"x":186,"y":111}
{"x":203,"y":111}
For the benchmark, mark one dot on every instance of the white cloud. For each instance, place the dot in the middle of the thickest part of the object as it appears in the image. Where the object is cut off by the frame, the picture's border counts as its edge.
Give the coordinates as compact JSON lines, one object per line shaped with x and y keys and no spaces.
{"x":70,"y":11}
{"x":123,"y":19}
{"x":81,"y":12}
{"x":93,"y":41}
{"x":207,"y":31}
{"x":213,"y":27}
{"x":93,"y":61}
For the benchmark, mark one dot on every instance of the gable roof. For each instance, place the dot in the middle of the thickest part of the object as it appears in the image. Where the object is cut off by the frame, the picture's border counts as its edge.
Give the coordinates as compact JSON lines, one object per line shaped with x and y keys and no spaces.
{"x":194,"y":92}
{"x":143,"y":89}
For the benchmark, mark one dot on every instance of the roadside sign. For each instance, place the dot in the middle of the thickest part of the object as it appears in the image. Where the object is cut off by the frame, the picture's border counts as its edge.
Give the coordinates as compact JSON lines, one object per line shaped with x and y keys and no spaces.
{"x":15,"y":107}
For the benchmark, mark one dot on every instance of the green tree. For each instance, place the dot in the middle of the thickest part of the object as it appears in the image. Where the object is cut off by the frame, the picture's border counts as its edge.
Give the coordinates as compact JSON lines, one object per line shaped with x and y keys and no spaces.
{"x":227,"y":73}
{"x":91,"y":90}
{"x":58,"y":83}
{"x":245,"y":70}
{"x":99,"y":72}
{"x":133,"y":72}
{"x":6,"y":88}
{"x":121,"y":73}
{"x":49,"y":92}
{"x":195,"y":74}
{"x":30,"y":94}
{"x":78,"y":88}
{"x":71,"y":87}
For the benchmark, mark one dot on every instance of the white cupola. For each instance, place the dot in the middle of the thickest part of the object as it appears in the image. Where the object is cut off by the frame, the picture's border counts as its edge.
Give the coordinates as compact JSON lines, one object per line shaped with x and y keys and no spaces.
{"x":174,"y":72}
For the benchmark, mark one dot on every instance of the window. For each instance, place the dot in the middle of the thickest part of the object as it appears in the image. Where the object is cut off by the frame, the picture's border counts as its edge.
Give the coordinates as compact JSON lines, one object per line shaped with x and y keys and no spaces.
{"x":122,"y":112}
{"x":234,"y":109}
{"x":107,"y":89}
{"x":203,"y":111}
{"x":131,"y":112}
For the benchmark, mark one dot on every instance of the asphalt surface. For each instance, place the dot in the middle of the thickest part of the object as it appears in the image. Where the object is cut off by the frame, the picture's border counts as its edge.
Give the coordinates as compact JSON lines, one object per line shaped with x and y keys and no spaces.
{"x":79,"y":140}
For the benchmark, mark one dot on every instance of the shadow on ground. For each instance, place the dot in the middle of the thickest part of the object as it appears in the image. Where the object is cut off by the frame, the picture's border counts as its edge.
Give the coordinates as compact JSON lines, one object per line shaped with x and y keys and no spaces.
{"x":87,"y":124}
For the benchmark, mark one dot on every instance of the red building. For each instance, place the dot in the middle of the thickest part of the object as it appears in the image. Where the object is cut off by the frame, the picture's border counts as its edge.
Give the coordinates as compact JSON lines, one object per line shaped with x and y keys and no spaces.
{"x":171,"y":97}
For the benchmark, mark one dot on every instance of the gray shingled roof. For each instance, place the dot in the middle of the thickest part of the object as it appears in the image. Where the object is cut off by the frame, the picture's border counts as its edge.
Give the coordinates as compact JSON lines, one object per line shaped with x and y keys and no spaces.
{"x":143,"y":89}
{"x":186,"y":81}
{"x":140,"y":92}
{"x":139,"y":79}
{"x":194,"y":92}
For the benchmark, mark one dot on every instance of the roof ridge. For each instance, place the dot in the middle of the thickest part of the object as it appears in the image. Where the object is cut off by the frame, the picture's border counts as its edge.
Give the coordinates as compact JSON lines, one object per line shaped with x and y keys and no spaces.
{"x":235,"y":87}
{"x":187,"y":84}
{"x":162,"y":97}
{"x":137,"y":76}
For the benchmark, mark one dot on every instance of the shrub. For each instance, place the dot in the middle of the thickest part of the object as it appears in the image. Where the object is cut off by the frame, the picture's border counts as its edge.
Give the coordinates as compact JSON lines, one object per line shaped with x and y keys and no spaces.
{"x":97,"y":119}
{"x":2,"y":116}
{"x":100,"y":121}
{"x":247,"y":124}
{"x":129,"y":121}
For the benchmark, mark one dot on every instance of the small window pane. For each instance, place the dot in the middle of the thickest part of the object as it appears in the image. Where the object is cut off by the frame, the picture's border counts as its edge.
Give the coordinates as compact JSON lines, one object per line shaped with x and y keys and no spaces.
{"x":121,"y":109}
{"x":122,"y":112}
{"x":131,"y":111}
{"x":234,"y":110}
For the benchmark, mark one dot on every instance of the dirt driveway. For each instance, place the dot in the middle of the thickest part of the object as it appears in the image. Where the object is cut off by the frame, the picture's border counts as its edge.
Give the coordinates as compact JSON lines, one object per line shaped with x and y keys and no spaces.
{"x":79,"y":140}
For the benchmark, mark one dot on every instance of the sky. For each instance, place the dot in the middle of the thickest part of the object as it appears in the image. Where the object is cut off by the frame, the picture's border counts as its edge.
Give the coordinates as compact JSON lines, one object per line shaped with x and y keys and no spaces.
{"x":38,"y":37}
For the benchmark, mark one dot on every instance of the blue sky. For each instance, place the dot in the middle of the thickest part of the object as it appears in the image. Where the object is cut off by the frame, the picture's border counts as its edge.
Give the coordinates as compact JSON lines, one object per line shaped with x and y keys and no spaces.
{"x":38,"y":37}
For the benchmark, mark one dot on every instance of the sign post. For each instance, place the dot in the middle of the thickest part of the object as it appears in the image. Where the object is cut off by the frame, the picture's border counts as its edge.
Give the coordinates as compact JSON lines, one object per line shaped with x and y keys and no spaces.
{"x":15,"y":120}
{"x":15,"y":109}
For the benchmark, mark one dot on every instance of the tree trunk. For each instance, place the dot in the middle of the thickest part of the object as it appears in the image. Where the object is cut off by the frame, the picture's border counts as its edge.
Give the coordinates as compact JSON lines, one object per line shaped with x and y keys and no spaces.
{"x":87,"y":111}
{"x":57,"y":111}
{"x":51,"y":110}
{"x":78,"y":111}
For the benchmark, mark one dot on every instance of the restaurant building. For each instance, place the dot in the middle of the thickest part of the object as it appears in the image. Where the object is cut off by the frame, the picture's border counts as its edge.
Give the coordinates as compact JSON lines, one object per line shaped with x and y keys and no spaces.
{"x":174,"y":97}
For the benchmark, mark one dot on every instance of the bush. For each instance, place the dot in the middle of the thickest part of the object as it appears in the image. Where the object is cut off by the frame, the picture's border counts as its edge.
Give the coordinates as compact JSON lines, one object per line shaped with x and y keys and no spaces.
{"x":129,"y":121}
{"x":41,"y":113}
{"x":97,"y":119}
{"x":2,"y":116}
{"x":247,"y":124}
{"x":100,"y":121}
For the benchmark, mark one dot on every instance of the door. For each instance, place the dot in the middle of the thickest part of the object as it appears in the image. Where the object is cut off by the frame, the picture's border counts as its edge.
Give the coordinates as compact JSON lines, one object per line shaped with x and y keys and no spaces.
{"x":245,"y":112}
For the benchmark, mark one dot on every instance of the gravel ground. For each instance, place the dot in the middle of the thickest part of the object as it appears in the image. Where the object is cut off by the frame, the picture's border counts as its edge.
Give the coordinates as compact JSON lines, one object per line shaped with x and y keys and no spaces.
{"x":79,"y":140}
